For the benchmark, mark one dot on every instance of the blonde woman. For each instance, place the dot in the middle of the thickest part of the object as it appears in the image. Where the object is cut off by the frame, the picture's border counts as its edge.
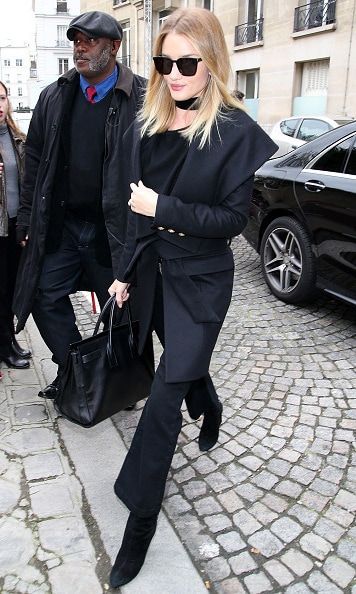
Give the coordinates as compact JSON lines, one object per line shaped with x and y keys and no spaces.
{"x":194,"y":152}
{"x":11,"y":168}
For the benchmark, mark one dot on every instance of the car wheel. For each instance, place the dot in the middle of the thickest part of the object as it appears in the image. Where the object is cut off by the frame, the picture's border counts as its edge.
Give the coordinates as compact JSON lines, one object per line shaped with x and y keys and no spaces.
{"x":287,"y":261}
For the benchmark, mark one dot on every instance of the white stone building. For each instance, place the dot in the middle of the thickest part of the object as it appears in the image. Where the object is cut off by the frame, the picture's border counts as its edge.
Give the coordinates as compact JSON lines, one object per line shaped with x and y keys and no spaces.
{"x":15,"y":72}
{"x":53,"y":49}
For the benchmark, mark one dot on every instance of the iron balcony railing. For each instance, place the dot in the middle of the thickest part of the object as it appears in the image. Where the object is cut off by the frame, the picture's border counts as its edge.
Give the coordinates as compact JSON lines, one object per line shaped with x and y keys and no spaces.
{"x":249,"y":32}
{"x":315,"y":14}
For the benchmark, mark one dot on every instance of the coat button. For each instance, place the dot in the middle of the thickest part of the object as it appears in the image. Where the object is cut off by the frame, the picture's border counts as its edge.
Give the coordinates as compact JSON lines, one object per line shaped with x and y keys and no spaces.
{"x":160,"y":228}
{"x":181,"y":234}
{"x":171,"y":230}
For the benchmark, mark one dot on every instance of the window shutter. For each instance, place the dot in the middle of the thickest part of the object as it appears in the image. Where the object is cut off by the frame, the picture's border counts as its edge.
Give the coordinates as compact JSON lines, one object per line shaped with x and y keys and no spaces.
{"x":315,"y":78}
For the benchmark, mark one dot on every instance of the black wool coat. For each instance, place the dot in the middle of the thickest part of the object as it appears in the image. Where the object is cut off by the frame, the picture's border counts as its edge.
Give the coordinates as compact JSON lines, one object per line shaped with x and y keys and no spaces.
{"x":40,"y":210}
{"x":190,"y":233}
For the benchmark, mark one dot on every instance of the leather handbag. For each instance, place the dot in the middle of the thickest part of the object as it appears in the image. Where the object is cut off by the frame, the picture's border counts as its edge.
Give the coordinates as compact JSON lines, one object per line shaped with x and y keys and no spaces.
{"x":104,"y":373}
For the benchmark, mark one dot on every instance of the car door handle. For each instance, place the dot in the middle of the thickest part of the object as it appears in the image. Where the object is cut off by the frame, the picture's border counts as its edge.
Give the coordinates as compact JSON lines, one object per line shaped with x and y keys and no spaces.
{"x":314,"y":186}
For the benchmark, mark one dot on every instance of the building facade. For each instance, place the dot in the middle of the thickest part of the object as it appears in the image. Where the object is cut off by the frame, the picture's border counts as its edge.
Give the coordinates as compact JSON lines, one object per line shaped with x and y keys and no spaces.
{"x":15,"y":72}
{"x":53,"y":49}
{"x":295,"y":58}
{"x":288,"y":57}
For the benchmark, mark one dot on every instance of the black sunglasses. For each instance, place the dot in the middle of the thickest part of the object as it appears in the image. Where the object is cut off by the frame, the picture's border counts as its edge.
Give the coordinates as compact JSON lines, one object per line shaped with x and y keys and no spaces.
{"x":186,"y":66}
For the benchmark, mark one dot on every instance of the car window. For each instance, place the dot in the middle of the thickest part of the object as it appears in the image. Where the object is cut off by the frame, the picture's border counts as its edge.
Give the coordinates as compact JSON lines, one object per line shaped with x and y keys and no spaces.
{"x":288,"y":127}
{"x":311,"y":129}
{"x":351,"y":163}
{"x":334,"y":159}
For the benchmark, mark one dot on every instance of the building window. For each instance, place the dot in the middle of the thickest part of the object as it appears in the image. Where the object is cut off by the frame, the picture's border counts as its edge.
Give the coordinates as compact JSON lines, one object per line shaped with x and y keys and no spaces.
{"x":18,"y":62}
{"x":19,"y":91}
{"x":314,"y":14}
{"x":208,"y":4}
{"x":163,"y":16}
{"x":8,"y":91}
{"x":248,"y":82}
{"x":62,"y":6}
{"x":315,"y":78}
{"x":7,"y":63}
{"x":311,"y":88}
{"x":252,"y":80}
{"x":252,"y":30}
{"x":124,"y":51}
{"x":62,"y":40}
{"x":117,"y":2}
{"x":63,"y":65}
{"x":33,"y":69}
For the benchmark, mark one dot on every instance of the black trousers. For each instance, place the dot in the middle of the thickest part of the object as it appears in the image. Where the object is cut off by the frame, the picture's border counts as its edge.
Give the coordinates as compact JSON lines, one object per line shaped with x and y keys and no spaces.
{"x":142,"y":478}
{"x":9,"y":261}
{"x":61,"y":273}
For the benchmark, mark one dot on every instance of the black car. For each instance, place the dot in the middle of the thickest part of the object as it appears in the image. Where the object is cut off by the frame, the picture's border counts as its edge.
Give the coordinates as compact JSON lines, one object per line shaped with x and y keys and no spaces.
{"x":303,"y":218}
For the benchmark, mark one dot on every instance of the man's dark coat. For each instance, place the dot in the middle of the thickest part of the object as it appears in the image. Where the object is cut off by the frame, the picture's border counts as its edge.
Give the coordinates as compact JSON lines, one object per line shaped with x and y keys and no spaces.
{"x":208,"y":204}
{"x":39,"y":211}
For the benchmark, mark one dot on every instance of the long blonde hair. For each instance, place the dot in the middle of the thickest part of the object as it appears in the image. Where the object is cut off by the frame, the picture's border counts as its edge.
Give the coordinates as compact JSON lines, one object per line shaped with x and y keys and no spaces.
{"x":202,"y":28}
{"x":9,"y":119}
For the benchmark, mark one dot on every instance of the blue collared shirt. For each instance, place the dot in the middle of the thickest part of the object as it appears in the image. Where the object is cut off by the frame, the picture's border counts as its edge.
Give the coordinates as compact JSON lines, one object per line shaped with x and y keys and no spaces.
{"x":102,"y":88}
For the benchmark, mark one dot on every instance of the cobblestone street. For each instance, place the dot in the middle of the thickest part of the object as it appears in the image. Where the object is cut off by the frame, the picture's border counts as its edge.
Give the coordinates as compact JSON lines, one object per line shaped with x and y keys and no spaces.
{"x":270,"y":509}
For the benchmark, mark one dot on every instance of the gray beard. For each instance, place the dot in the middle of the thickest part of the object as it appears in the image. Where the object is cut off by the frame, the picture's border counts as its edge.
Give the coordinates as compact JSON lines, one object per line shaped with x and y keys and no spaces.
{"x":98,"y":64}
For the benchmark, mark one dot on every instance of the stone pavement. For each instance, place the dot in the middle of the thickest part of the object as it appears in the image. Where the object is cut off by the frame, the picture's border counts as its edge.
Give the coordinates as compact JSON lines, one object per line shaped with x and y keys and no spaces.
{"x":270,"y":509}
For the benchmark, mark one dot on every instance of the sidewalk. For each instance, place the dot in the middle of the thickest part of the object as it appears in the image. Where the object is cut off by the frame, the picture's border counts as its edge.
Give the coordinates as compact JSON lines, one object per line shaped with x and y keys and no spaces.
{"x":61,"y":524}
{"x":270,"y":509}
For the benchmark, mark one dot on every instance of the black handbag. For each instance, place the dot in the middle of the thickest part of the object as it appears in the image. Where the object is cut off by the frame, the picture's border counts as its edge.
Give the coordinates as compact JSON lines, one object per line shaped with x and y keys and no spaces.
{"x":104,"y":373}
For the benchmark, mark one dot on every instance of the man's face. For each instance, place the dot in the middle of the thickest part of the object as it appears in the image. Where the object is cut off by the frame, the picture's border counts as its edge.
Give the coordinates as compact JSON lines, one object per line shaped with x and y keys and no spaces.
{"x":94,"y":58}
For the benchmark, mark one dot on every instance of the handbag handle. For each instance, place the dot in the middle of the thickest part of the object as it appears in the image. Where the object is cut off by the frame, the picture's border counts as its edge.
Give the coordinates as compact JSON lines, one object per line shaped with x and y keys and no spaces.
{"x":111,"y":303}
{"x":103,"y":312}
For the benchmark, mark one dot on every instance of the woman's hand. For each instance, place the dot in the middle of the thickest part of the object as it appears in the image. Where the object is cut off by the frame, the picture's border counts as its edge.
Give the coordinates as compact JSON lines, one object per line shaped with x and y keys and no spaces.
{"x":120,"y":289}
{"x":143,"y":200}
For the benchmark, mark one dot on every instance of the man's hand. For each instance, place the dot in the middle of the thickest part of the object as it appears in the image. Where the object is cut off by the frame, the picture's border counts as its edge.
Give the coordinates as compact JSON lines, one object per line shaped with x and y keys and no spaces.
{"x":143,"y":200}
{"x":120,"y":289}
{"x":21,"y":235}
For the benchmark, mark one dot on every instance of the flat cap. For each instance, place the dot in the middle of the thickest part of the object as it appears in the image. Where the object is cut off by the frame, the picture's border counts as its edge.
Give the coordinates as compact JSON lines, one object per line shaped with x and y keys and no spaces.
{"x":95,"y":24}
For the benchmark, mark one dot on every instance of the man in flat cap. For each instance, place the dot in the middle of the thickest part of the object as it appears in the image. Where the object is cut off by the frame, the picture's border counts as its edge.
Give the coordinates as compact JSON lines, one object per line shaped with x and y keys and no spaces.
{"x":71,"y":221}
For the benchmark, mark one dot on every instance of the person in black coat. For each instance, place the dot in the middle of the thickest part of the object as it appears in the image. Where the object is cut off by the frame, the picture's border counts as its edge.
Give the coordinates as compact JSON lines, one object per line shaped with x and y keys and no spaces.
{"x":194,"y":152}
{"x":72,"y":218}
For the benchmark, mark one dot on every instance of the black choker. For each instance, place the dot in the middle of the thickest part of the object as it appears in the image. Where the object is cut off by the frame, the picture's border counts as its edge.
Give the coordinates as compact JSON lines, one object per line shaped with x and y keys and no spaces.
{"x":187,"y":103}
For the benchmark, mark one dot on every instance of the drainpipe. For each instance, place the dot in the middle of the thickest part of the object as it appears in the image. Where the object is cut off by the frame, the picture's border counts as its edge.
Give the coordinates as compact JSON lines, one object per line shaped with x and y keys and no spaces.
{"x":348,"y":61}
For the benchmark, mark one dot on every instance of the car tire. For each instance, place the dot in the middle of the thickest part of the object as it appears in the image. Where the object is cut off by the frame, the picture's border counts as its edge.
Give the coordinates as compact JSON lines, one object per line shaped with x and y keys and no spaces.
{"x":287,"y":261}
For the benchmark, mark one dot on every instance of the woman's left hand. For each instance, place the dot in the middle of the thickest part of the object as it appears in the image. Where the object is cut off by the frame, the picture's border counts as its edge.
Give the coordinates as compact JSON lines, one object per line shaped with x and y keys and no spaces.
{"x":143,"y":200}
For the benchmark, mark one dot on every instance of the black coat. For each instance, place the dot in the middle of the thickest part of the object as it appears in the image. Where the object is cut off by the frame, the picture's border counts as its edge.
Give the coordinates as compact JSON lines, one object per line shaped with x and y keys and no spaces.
{"x":208,"y":205}
{"x":42,"y":171}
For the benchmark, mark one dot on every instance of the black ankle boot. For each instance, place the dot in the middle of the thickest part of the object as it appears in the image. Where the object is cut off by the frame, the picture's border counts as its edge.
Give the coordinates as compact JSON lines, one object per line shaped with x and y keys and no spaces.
{"x":14,"y":361}
{"x":19,"y":351}
{"x":209,"y":431}
{"x":131,"y":556}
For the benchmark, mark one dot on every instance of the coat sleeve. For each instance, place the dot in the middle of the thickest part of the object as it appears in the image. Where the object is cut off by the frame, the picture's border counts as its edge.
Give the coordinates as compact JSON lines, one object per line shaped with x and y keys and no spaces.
{"x":226,"y":219}
{"x":129,"y":248}
{"x":33,"y":152}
